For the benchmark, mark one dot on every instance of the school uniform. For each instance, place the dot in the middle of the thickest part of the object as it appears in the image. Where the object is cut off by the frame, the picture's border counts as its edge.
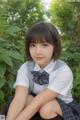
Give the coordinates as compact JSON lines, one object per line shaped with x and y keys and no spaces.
{"x":59,"y":80}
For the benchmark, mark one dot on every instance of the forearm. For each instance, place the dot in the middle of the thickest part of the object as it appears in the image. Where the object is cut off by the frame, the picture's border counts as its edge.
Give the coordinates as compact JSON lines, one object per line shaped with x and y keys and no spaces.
{"x":15,"y":108}
{"x":29,"y":111}
{"x":36,"y":104}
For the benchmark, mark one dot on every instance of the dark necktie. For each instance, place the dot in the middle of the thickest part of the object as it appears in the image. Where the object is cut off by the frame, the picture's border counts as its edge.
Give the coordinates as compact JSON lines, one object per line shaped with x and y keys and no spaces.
{"x":40,"y":78}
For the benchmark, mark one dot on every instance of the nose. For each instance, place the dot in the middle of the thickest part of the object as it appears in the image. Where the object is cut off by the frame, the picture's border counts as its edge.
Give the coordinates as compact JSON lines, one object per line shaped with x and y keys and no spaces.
{"x":38,"y":49}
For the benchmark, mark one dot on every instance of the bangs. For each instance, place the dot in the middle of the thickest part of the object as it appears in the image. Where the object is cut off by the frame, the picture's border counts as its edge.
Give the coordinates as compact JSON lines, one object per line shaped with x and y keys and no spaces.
{"x":40,"y":37}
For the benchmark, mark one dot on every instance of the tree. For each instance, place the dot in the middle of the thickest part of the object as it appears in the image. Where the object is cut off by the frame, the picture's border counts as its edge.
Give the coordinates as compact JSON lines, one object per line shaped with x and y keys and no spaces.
{"x":16,"y":16}
{"x":66,"y":16}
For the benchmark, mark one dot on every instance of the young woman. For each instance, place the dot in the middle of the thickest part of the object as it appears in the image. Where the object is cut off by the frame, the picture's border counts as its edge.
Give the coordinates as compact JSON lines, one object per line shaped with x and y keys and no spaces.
{"x":52,"y":79}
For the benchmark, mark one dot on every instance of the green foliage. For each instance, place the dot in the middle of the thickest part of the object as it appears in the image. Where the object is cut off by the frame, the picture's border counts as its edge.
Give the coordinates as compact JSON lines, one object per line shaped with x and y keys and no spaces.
{"x":2,"y":69}
{"x":13,"y":30}
{"x":76,"y":88}
{"x":1,"y":96}
{"x":66,"y":16}
{"x":16,"y":16}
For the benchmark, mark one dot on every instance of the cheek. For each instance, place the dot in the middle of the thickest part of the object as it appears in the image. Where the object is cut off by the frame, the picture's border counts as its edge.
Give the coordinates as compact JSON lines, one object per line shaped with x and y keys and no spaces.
{"x":50,"y":51}
{"x":31,"y":51}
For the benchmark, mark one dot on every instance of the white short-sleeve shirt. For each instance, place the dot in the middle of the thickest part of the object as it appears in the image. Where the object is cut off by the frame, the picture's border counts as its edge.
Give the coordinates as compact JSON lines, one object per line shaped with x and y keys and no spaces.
{"x":60,"y":80}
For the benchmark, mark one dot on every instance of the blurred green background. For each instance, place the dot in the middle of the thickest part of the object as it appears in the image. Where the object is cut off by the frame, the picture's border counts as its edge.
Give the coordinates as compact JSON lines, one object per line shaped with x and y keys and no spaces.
{"x":16,"y":17}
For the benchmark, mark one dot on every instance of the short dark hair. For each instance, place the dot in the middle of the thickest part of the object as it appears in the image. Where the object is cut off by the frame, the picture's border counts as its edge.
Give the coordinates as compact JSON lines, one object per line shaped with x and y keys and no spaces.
{"x":43,"y":31}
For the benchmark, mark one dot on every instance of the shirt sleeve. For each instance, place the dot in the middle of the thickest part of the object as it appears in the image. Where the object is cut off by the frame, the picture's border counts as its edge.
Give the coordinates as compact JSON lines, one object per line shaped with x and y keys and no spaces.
{"x":62,"y":81}
{"x":22,"y":76}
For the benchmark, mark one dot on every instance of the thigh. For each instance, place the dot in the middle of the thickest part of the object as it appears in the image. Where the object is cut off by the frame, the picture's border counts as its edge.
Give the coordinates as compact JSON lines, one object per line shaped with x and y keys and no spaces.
{"x":51,"y":107}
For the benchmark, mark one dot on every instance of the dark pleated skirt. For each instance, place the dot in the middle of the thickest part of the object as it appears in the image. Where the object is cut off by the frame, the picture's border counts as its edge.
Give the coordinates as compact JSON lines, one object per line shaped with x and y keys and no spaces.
{"x":71,"y":111}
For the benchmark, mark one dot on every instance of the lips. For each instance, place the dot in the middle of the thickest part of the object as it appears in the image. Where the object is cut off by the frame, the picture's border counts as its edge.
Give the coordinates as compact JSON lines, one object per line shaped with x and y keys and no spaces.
{"x":39,"y":58}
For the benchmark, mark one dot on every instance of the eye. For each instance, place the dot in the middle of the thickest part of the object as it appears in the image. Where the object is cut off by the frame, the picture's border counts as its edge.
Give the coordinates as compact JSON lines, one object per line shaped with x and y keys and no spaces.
{"x":32,"y":45}
{"x":45,"y":44}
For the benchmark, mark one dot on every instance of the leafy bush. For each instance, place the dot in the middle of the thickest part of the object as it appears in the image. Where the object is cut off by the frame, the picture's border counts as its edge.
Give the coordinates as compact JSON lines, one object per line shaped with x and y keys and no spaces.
{"x":16,"y":16}
{"x":66,"y":16}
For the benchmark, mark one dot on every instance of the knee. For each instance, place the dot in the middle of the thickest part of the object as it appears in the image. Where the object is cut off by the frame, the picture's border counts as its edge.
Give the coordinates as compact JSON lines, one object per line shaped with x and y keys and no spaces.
{"x":45,"y":112}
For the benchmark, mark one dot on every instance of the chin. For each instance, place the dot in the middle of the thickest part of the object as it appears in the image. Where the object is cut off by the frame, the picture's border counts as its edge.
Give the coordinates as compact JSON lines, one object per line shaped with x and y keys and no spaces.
{"x":40,"y":64}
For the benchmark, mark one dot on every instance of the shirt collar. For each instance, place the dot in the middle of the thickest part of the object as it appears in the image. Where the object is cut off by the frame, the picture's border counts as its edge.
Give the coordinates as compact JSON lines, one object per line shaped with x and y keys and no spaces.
{"x":48,"y":68}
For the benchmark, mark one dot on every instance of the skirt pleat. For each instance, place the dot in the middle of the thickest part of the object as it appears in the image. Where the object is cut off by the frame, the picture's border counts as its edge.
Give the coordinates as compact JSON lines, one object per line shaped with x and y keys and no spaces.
{"x":71,"y":111}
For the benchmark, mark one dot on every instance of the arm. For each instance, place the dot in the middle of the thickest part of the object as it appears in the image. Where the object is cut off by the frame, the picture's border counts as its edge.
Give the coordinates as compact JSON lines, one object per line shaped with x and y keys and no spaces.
{"x":18,"y":103}
{"x":41,"y":99}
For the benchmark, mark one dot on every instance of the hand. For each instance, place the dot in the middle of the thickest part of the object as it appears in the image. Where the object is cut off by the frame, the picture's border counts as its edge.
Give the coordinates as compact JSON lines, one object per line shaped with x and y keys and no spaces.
{"x":21,"y":118}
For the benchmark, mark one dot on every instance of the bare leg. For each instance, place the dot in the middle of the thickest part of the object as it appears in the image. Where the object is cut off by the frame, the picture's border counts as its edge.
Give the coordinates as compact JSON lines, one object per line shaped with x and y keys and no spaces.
{"x":50,"y":110}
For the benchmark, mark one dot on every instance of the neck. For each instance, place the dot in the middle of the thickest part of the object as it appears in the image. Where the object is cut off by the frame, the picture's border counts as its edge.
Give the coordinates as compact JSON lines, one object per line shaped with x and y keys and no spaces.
{"x":44,"y":65}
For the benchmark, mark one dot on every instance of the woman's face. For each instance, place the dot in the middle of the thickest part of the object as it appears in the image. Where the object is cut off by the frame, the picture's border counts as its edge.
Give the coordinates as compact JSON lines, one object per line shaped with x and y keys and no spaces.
{"x":41,"y":53}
